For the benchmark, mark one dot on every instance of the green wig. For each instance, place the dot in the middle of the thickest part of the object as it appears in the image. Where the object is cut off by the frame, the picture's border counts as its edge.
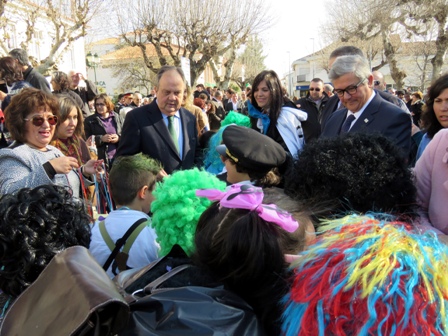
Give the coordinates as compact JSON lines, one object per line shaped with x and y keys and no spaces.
{"x":176,"y":208}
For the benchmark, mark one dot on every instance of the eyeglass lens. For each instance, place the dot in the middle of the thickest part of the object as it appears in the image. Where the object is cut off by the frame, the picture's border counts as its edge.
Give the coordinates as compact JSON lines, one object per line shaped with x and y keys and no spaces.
{"x":315,"y":89}
{"x":38,"y":121}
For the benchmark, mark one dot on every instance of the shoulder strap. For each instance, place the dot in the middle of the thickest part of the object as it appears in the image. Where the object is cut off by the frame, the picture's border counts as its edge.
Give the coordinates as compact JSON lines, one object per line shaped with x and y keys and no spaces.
{"x":120,"y":242}
{"x":157,"y":282}
{"x":133,"y":237}
{"x":107,"y":239}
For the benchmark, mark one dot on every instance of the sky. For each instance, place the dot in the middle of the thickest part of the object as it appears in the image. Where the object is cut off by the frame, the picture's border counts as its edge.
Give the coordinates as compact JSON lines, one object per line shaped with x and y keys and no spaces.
{"x":297,"y":25}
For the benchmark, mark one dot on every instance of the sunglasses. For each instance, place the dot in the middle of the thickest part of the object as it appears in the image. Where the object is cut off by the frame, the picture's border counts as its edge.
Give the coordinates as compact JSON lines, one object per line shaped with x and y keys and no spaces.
{"x":100,"y":104}
{"x":376,"y":82}
{"x":315,"y":89}
{"x":39,"y":120}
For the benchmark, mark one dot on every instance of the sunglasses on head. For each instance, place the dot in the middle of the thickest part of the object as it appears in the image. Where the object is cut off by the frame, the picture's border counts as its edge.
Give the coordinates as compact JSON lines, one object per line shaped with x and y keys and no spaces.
{"x":315,"y":89}
{"x":39,"y":120}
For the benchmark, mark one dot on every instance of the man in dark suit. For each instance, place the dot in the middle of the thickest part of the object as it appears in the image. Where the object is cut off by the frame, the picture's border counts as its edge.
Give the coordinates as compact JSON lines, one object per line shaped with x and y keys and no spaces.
{"x":163,"y":129}
{"x":334,"y":104}
{"x":365,"y":111}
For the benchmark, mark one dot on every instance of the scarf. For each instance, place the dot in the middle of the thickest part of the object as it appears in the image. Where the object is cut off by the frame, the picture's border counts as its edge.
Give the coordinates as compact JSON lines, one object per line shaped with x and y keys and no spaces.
{"x":71,"y":147}
{"x":253,"y":112}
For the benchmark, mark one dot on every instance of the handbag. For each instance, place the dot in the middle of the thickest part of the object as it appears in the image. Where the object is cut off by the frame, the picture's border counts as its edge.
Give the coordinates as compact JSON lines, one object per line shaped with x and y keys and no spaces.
{"x":72,"y":296}
{"x":173,"y":297}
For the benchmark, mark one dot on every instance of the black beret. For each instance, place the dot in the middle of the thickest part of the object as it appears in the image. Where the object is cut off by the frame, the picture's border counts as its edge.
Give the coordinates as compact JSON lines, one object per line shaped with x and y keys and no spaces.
{"x":251,"y":149}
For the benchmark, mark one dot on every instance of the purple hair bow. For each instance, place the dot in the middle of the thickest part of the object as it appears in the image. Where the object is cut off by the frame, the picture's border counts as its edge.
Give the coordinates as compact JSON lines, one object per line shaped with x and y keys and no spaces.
{"x":246,"y":196}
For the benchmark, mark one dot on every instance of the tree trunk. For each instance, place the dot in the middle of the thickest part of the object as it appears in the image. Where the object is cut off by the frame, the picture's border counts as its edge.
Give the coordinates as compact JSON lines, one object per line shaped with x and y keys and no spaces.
{"x":389,"y":51}
{"x":441,"y":46}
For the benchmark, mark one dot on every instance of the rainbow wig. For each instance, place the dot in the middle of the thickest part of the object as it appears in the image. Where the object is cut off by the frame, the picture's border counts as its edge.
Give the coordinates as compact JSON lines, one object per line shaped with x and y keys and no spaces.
{"x":212,"y":159}
{"x":368,"y":276}
{"x":176,"y":208}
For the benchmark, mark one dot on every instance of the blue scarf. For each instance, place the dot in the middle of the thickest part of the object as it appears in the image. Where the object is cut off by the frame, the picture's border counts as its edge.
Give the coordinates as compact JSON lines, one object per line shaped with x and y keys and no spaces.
{"x":253,"y":112}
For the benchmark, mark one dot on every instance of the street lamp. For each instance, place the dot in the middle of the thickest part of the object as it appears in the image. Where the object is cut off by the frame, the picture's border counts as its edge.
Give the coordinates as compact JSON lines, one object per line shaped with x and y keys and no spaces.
{"x":289,"y":73}
{"x":312,"y":38}
{"x":92,"y":61}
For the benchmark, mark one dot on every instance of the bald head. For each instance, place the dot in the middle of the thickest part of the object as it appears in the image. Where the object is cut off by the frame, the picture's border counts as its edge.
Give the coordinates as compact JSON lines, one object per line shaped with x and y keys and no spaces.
{"x":378,"y":81}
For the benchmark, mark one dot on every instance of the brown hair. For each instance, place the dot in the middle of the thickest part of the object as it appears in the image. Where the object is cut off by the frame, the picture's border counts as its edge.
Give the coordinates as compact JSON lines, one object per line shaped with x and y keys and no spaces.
{"x":107,"y":101}
{"x":22,"y":104}
{"x":66,"y":104}
{"x":10,"y":70}
{"x":61,"y":79}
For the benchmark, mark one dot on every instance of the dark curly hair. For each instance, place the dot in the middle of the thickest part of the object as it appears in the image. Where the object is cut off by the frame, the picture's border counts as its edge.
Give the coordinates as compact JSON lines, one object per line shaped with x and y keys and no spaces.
{"x":429,"y":119}
{"x":36,"y":224}
{"x":353,"y":173}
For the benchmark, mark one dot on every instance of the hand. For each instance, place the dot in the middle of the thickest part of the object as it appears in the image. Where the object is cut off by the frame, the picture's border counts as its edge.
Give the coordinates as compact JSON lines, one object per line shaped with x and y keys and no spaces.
{"x":114,"y":138}
{"x":90,"y":142}
{"x":106,"y":138}
{"x":2,"y":95}
{"x":81,"y":76}
{"x":298,"y":105}
{"x":63,"y":164}
{"x":92,"y":167}
{"x":162,"y":173}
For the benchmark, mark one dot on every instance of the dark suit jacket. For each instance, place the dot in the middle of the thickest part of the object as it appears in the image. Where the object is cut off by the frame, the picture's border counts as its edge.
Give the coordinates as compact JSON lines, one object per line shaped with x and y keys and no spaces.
{"x":333,"y":102}
{"x":379,"y":116}
{"x":330,"y":107}
{"x":145,"y":131}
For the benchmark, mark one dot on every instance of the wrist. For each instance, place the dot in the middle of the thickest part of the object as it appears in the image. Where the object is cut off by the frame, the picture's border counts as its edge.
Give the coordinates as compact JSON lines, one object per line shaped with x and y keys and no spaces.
{"x":83,"y":172}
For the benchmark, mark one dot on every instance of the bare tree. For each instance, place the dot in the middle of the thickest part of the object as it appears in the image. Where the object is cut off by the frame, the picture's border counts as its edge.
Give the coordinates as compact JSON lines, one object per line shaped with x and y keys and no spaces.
{"x":249,"y":63}
{"x":65,"y":22}
{"x":367,"y":20}
{"x":134,"y":75}
{"x":429,"y":19}
{"x":199,"y":30}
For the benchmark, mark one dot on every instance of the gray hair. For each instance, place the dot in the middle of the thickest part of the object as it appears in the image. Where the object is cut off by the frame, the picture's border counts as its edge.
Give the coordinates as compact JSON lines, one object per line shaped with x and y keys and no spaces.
{"x":167,"y":68}
{"x":20,"y":55}
{"x":355,"y":64}
{"x":345,"y":51}
{"x":218,"y":94}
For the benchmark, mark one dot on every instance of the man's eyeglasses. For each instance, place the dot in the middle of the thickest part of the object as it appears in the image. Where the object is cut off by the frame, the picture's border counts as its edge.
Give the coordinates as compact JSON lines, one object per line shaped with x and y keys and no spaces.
{"x":38,"y":120}
{"x":315,"y":89}
{"x":376,"y":82}
{"x":100,"y":104}
{"x":351,"y":90}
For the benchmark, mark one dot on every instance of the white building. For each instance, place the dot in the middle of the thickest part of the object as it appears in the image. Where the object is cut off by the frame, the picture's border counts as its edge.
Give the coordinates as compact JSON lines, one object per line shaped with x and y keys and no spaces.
{"x":43,"y":34}
{"x":410,"y":58}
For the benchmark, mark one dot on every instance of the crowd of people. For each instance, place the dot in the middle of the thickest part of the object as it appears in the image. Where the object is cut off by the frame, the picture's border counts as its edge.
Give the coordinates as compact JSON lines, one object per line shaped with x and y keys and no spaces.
{"x":309,"y":210}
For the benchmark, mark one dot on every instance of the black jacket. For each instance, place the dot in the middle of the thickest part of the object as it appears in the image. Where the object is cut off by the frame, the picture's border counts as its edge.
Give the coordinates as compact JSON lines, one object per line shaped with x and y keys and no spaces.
{"x":94,"y":126}
{"x":312,"y":125}
{"x":36,"y":79}
{"x":87,"y":94}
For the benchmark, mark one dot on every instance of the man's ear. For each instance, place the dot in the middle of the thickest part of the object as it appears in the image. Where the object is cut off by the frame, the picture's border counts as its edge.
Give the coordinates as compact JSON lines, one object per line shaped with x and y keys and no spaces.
{"x":370,"y":81}
{"x":142,"y":192}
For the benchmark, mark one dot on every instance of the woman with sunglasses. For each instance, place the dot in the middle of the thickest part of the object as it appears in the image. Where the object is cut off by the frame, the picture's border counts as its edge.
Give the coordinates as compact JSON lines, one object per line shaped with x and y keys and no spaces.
{"x":105,"y":125}
{"x":30,"y":161}
{"x":274,"y":115}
